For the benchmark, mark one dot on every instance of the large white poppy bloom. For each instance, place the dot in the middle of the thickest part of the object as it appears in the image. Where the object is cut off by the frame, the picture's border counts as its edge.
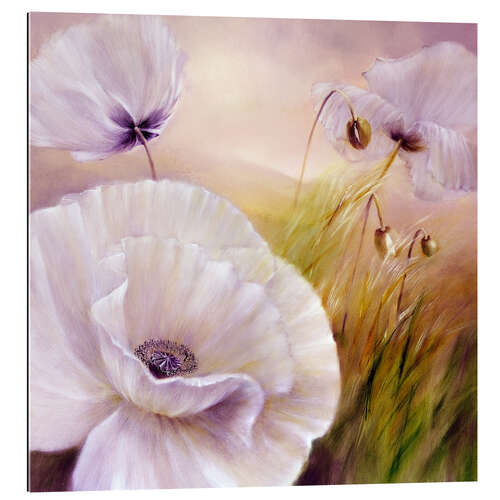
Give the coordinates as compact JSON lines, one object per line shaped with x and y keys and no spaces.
{"x":91,"y":85}
{"x":428,"y":100}
{"x":169,"y":342}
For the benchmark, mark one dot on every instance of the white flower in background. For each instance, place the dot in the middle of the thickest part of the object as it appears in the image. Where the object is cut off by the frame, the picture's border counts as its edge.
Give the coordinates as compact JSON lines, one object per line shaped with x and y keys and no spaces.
{"x":428,"y":100}
{"x":169,"y":342}
{"x":92,"y":85}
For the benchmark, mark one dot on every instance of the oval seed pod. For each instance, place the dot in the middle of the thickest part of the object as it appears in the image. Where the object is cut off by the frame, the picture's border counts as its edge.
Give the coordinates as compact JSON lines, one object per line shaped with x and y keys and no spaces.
{"x":383,"y":242}
{"x":359,"y":132}
{"x":429,"y":246}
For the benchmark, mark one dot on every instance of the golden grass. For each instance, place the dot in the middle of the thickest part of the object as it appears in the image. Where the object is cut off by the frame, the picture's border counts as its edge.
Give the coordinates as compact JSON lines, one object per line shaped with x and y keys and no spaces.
{"x":408,"y":403}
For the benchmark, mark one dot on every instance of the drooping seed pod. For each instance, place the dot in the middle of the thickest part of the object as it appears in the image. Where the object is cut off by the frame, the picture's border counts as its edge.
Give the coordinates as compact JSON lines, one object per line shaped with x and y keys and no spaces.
{"x":359,"y":132}
{"x":383,"y":242}
{"x":429,"y":246}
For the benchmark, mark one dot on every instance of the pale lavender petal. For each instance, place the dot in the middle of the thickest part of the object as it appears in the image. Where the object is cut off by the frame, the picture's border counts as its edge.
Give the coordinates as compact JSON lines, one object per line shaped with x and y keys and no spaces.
{"x":437,"y":84}
{"x":164,"y":209}
{"x":384,"y":118}
{"x":204,"y":278}
{"x":238,"y":397}
{"x":229,"y":325}
{"x":292,"y":421}
{"x":68,"y":390}
{"x":62,"y":273}
{"x":92,"y":84}
{"x":447,"y":164}
{"x":135,"y":450}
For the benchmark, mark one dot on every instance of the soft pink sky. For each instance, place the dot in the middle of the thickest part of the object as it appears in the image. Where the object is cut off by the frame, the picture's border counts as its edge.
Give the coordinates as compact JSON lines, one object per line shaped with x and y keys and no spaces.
{"x":245,"y":113}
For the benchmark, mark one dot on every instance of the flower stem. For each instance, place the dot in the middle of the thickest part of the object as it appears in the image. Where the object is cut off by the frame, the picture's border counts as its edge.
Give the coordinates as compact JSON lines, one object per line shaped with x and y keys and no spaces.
{"x":418,"y":232}
{"x":144,"y":143}
{"x":379,"y":209}
{"x":389,"y":161}
{"x":308,"y":146}
{"x":391,"y":158}
{"x":372,"y":197}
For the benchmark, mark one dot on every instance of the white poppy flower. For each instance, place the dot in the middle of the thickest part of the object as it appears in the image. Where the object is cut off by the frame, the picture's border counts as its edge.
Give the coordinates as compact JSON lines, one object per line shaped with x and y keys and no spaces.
{"x":428,"y":100}
{"x":169,"y":342}
{"x":91,"y":85}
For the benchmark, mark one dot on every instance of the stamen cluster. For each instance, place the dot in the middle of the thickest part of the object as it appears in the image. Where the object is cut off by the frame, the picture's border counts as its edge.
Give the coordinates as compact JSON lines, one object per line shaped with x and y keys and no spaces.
{"x":166,"y":358}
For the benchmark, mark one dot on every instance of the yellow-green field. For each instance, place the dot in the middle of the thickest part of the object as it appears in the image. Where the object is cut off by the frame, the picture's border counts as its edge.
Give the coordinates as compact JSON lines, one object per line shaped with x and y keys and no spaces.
{"x":408,"y":408}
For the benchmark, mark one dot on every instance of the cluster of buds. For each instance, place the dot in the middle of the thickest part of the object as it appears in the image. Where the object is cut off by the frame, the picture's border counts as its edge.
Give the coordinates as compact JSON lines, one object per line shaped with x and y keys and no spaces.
{"x":384,"y":243}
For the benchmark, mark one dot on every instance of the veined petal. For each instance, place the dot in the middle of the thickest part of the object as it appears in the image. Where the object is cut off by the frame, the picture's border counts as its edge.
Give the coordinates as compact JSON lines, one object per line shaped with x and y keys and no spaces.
{"x":69,"y":111}
{"x":175,"y":292}
{"x":447,"y":164}
{"x":171,"y":261}
{"x":144,"y":76}
{"x":252,"y":264}
{"x":92,"y":84}
{"x":291,"y":422}
{"x":133,"y":449}
{"x":436,"y":84}
{"x":310,"y":337}
{"x":111,"y":272}
{"x":64,"y":405}
{"x":62,"y":279}
{"x":68,"y":391}
{"x":382,"y":115}
{"x":232,"y":400}
{"x":164,"y":209}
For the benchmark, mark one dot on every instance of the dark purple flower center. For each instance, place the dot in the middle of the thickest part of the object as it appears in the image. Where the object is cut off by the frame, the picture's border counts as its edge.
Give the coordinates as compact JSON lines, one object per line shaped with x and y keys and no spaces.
{"x":166,"y":358}
{"x":165,"y":362}
{"x":411,"y":142}
{"x":129,"y":138}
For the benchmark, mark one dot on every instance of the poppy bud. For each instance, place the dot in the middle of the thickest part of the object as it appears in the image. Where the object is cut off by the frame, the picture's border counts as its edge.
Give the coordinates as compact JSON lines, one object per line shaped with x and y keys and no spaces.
{"x":429,"y":246}
{"x":383,"y":242}
{"x":359,"y":132}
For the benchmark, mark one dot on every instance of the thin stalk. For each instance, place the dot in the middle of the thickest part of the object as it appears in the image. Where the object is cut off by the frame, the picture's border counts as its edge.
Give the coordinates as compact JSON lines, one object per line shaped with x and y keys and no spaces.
{"x":418,"y":232}
{"x":355,"y":268}
{"x":144,"y":143}
{"x":308,"y":146}
{"x":391,"y":158}
{"x":379,"y":210}
{"x":389,"y":161}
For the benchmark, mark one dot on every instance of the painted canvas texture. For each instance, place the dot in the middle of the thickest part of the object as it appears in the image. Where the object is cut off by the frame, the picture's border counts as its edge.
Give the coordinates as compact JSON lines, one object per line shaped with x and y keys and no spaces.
{"x":252,"y":252}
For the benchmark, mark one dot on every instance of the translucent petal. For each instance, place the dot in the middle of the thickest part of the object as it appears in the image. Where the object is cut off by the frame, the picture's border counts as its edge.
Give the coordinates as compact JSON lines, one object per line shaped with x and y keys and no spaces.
{"x":447,"y":164}
{"x":437,"y":84}
{"x":87,"y":80}
{"x":383,"y":118}
{"x":165,"y":209}
{"x":174,"y":292}
{"x":135,"y":450}
{"x":68,"y":390}
{"x":174,"y":259}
